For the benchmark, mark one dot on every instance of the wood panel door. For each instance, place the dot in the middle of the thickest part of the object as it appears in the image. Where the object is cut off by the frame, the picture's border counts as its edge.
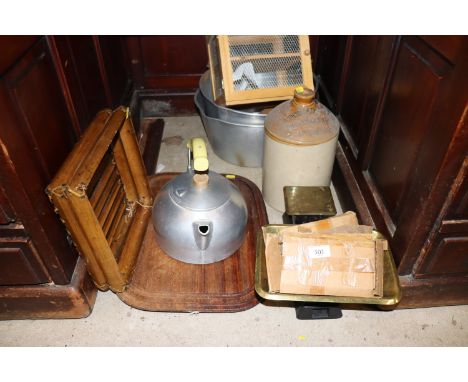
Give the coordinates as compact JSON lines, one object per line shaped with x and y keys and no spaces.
{"x":446,"y":250}
{"x":402,"y":102}
{"x":93,"y":74}
{"x":113,"y":57}
{"x":420,"y":116}
{"x":401,"y":158}
{"x":328,"y":67}
{"x":366,"y":64}
{"x":7,"y":215}
{"x":20,"y":262}
{"x":35,"y":136}
{"x":170,"y":63}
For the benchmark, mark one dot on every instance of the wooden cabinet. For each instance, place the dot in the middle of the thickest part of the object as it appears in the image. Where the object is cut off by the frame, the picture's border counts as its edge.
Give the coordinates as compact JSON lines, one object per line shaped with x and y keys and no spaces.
{"x":36,"y":139}
{"x":446,"y":251}
{"x":20,"y":262}
{"x":167,"y":62}
{"x":166,"y":71}
{"x":45,"y":106}
{"x":93,"y":74}
{"x":401,"y":161}
{"x":402,"y":156}
{"x":112,"y":56}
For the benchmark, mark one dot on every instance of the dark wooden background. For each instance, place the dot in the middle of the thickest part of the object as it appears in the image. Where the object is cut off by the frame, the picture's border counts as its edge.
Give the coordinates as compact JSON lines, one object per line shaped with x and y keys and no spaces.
{"x":50,"y":89}
{"x":401,"y":161}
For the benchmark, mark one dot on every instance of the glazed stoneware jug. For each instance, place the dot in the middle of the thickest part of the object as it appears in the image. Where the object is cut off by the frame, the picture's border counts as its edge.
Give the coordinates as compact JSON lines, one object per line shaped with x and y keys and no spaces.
{"x":299,"y":146}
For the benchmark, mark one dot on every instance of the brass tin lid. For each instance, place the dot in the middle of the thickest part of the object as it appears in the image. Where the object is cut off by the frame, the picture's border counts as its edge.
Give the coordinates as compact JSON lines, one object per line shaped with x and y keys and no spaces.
{"x":302,"y":200}
{"x":302,"y":120}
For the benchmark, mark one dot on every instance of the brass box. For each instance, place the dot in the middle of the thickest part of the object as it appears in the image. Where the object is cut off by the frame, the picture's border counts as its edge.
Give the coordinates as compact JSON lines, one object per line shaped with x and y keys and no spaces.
{"x":307,"y":204}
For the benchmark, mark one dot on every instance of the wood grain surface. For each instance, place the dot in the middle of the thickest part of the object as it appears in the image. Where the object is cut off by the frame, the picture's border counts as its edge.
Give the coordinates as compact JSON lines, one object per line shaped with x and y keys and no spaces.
{"x":161,"y":283}
{"x":401,"y":157}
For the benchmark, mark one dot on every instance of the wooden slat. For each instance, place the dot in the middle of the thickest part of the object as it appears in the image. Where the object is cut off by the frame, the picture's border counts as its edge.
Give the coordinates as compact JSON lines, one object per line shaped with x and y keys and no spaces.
{"x":119,"y":234}
{"x":265,"y":56}
{"x":135,"y":162}
{"x":102,"y":143}
{"x":110,"y":186}
{"x":213,"y":55}
{"x":226,"y":67}
{"x":116,"y":223}
{"x":260,"y":95}
{"x":114,"y":192}
{"x":134,"y":240}
{"x":252,"y":39}
{"x":102,"y":185}
{"x":114,"y":209}
{"x":307,"y":74}
{"x":70,"y":220}
{"x":89,"y":224}
{"x":124,"y":170}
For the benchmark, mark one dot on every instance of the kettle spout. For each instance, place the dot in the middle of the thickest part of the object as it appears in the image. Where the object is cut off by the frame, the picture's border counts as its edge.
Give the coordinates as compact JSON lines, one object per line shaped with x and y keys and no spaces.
{"x":202,"y":232}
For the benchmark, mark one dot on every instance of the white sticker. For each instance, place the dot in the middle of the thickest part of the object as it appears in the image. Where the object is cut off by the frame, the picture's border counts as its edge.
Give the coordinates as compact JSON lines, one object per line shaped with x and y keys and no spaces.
{"x":318,"y":251}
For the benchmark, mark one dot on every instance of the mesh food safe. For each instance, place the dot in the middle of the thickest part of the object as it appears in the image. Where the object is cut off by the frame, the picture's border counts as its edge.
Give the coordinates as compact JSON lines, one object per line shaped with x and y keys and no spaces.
{"x":250,"y":69}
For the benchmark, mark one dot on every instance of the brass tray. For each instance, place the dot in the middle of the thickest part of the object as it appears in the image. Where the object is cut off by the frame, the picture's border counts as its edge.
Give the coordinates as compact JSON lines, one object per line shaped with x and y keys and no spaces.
{"x":391,"y":288}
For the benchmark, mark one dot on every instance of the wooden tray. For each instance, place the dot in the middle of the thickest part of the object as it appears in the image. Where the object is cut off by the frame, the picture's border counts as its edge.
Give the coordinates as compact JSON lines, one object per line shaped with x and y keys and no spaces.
{"x":161,"y":283}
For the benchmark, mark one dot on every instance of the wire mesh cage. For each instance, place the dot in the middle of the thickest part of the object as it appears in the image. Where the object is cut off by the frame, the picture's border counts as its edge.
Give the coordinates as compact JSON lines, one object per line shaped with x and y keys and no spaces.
{"x":249,"y":69}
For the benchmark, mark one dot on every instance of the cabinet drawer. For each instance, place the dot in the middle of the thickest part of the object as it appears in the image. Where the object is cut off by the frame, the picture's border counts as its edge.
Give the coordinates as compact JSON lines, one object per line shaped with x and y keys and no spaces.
{"x":19,"y":264}
{"x":449,"y":256}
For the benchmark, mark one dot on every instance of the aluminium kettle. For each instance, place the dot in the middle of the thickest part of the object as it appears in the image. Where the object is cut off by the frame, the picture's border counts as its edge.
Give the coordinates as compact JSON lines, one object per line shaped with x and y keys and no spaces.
{"x":199,"y":217}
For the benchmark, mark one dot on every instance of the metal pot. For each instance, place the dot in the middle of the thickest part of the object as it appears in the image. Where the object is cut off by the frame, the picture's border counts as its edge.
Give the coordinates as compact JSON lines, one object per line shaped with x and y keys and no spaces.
{"x":238,"y":144}
{"x":200,"y":216}
{"x":213,"y":110}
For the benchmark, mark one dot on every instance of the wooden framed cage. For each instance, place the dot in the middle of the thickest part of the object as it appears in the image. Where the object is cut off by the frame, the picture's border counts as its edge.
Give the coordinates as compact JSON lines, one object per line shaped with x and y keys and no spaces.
{"x":102,"y":195}
{"x":251,"y":69}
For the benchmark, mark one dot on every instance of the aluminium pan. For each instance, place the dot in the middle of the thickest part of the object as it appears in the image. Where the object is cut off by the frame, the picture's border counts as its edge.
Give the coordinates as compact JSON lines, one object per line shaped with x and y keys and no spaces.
{"x":227,"y":114}
{"x":236,"y":143}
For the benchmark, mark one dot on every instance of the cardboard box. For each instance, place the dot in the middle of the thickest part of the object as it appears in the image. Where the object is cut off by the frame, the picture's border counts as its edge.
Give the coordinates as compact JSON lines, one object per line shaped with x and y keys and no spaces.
{"x":347,"y":219}
{"x":335,"y":256}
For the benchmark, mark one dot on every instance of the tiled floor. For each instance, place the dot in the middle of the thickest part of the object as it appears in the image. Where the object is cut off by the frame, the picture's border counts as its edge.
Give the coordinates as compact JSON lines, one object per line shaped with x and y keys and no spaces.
{"x":113,"y":323}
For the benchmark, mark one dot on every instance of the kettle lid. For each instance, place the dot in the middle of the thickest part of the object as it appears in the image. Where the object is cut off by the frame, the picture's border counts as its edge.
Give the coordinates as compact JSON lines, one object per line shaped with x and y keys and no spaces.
{"x":190,"y":192}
